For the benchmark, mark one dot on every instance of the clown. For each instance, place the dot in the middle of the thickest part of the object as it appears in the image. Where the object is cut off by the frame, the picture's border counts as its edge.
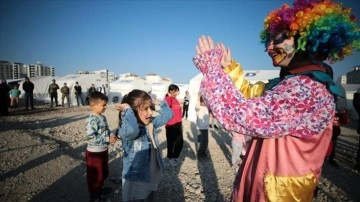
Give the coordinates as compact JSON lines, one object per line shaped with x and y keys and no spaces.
{"x":291,"y":122}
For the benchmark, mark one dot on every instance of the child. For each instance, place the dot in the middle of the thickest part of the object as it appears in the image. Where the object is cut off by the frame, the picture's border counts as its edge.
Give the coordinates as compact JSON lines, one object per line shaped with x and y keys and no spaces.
{"x":98,"y":136}
{"x":186,"y":105}
{"x":142,"y":164}
{"x":14,"y":96}
{"x":239,"y":144}
{"x":173,"y":127}
{"x":202,"y":121}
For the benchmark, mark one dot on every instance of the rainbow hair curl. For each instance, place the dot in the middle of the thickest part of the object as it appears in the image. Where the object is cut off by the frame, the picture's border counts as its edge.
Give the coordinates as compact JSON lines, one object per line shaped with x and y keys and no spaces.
{"x":326,"y":30}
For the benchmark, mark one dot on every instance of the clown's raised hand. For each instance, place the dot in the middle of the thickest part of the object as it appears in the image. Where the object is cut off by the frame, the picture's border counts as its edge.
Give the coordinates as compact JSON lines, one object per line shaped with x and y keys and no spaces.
{"x":207,"y":55}
{"x":205,"y":43}
{"x":226,"y":59}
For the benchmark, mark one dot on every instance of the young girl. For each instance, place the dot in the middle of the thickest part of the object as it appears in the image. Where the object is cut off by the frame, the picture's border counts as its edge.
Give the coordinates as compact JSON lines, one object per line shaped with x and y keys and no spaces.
{"x":142,"y":164}
{"x":173,"y":128}
{"x":14,"y":96}
{"x":202,"y":121}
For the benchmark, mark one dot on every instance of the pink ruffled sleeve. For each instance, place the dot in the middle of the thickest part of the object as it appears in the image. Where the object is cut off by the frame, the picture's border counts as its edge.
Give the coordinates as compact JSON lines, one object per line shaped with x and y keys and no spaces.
{"x":298,"y":106}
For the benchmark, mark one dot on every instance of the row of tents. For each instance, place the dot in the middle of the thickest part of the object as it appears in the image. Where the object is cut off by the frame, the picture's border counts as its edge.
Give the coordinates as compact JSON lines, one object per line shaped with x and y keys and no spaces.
{"x":115,"y":90}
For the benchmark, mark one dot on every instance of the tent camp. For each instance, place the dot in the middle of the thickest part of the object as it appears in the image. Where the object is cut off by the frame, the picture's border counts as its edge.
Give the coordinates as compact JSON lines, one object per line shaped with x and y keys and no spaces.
{"x":159,"y":90}
{"x":252,"y":76}
{"x":121,"y":87}
{"x":42,"y":83}
{"x":183,"y":88}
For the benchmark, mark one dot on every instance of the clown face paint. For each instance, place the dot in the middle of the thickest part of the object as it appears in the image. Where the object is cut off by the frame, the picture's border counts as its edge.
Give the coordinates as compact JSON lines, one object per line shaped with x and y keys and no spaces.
{"x":281,"y":50}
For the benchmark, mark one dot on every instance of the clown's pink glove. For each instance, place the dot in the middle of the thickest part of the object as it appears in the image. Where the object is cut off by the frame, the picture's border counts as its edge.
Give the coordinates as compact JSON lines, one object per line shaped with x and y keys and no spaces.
{"x":208,"y":57}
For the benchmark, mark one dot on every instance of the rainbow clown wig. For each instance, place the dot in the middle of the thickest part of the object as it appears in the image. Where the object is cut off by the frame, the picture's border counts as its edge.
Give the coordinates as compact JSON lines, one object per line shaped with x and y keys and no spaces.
{"x":322,"y":28}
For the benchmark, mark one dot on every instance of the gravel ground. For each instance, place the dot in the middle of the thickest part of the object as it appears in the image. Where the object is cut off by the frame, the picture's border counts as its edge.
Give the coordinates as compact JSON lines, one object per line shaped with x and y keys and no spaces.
{"x":42,"y":159}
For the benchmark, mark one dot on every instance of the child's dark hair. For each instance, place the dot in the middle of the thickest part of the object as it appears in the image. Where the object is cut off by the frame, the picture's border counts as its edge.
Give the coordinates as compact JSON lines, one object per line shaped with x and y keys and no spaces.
{"x":201,"y":99}
{"x":136,"y":98}
{"x":96,"y":96}
{"x":173,"y":87}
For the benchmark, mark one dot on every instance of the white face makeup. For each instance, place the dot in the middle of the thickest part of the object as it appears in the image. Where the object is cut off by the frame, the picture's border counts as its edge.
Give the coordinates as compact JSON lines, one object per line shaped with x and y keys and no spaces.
{"x":281,"y":49}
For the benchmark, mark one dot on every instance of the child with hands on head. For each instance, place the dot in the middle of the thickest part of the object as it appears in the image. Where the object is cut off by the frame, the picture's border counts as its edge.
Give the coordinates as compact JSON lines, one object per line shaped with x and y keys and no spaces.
{"x":142,"y":162}
{"x":98,"y":136}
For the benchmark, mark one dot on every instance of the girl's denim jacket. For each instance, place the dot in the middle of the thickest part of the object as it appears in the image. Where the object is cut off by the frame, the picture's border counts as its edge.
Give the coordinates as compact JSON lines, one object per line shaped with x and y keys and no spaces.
{"x":136,"y":143}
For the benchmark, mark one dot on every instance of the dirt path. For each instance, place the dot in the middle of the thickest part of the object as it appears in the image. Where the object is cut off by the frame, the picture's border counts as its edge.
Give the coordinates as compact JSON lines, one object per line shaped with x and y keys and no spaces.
{"x":42,"y":159}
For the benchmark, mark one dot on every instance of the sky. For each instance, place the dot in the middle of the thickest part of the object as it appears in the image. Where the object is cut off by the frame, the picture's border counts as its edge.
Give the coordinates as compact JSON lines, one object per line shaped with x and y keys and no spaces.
{"x":138,"y":36}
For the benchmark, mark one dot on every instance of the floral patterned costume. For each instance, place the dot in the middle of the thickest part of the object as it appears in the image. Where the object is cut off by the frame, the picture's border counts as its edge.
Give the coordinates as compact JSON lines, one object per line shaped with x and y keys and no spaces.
{"x":291,"y":126}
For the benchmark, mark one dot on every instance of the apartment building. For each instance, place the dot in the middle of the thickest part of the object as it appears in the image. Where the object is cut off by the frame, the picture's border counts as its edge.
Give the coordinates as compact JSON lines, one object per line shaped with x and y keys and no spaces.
{"x":15,"y":70}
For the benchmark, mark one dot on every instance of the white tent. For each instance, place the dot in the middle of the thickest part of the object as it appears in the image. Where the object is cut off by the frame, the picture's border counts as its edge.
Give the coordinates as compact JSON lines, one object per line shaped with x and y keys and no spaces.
{"x":252,"y":76}
{"x":159,"y":90}
{"x":41,"y":85}
{"x":183,"y":88}
{"x":121,"y":87}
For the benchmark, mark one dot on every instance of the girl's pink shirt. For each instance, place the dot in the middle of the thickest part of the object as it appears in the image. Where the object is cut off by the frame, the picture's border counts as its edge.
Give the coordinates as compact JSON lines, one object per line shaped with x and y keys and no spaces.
{"x":176,"y":108}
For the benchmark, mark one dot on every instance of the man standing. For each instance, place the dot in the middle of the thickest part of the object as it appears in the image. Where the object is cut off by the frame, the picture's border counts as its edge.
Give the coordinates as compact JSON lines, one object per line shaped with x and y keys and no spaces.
{"x":103,"y":89}
{"x":53,"y":93}
{"x":28,"y":87}
{"x":78,"y":93}
{"x":91,"y":90}
{"x":4,"y":98}
{"x":65,"y":94}
{"x":356,"y":104}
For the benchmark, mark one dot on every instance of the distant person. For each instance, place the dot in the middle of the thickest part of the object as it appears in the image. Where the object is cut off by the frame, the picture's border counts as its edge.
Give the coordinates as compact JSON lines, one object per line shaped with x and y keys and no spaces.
{"x":4,"y":98}
{"x":53,"y":93}
{"x":239,"y":144}
{"x":102,"y":89}
{"x":14,"y":96}
{"x":186,"y":105}
{"x":65,"y":91}
{"x":340,"y":119}
{"x":90,"y":90}
{"x":28,"y":87}
{"x":202,"y":123}
{"x":173,"y":127}
{"x":98,"y":136}
{"x":356,"y":104}
{"x":78,"y":94}
{"x":138,"y":130}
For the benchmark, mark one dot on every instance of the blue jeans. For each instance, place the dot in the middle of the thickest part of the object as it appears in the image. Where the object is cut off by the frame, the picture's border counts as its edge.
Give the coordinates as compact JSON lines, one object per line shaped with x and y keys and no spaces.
{"x":29,"y":96}
{"x":78,"y":96}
